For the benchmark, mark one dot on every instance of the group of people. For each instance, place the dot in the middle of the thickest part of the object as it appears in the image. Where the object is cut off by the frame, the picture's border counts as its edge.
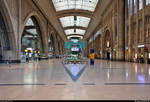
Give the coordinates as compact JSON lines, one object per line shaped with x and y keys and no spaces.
{"x":32,"y":56}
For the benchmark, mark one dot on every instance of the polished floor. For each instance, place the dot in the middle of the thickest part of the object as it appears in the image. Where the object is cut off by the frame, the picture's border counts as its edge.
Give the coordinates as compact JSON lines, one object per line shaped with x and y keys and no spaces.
{"x":46,"y":80}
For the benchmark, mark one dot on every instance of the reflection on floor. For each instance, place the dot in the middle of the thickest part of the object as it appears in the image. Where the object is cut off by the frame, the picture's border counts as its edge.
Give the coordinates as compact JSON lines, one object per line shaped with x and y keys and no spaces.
{"x":49,"y":80}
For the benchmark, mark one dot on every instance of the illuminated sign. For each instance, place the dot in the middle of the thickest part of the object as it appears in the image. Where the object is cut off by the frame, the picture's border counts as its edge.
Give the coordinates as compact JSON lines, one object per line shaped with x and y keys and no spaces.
{"x":140,"y":46}
{"x":74,"y":49}
{"x":107,"y":43}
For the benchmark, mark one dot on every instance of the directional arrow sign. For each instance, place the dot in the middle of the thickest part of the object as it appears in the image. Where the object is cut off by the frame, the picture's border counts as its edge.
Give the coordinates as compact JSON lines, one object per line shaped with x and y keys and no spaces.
{"x":75,"y":70}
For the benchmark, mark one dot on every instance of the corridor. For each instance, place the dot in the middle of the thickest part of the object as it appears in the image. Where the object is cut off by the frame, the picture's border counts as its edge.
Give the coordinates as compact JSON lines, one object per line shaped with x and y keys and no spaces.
{"x":49,"y":80}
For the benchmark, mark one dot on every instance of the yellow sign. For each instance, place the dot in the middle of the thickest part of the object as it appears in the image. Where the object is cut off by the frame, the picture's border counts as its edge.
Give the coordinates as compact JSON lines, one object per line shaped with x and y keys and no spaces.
{"x":38,"y":51}
{"x":92,"y":56}
{"x":26,"y":50}
{"x":34,"y":51}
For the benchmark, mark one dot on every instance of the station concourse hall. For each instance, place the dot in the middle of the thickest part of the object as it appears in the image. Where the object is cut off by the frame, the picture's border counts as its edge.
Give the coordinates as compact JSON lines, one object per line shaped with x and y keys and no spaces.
{"x":75,"y":50}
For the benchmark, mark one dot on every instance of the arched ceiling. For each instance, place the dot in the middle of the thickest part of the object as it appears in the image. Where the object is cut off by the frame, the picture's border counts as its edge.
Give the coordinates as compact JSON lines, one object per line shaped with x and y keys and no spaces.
{"x":72,"y":12}
{"x":75,"y":15}
{"x":68,"y":8}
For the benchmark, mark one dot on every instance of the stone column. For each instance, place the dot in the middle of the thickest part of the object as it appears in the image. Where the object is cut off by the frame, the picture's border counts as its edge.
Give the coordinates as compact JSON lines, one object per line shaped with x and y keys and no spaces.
{"x":129,"y":32}
{"x":121,"y":30}
{"x":56,"y":44}
{"x":143,"y":29}
{"x":137,"y":26}
{"x":18,"y":40}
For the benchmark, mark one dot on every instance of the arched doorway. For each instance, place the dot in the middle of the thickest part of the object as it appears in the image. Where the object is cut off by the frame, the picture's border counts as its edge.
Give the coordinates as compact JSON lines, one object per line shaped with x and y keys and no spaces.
{"x":51,"y":48}
{"x":4,"y":40}
{"x":107,"y":45}
{"x":31,"y":37}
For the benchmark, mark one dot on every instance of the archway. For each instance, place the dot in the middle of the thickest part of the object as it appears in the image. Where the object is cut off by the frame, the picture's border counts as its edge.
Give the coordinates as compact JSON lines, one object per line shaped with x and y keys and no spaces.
{"x":4,"y":40}
{"x":31,"y":37}
{"x":107,"y":45}
{"x":51,"y":47}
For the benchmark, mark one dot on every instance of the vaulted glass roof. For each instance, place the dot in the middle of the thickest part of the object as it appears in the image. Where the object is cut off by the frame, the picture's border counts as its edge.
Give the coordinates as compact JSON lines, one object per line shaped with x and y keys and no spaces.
{"x":75,"y":36}
{"x":72,"y":31}
{"x":70,"y":21}
{"x":61,"y":5}
{"x":75,"y":21}
{"x":32,"y":31}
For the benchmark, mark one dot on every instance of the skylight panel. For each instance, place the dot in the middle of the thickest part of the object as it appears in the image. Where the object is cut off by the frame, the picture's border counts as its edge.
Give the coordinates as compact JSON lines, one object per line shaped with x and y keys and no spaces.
{"x":78,"y":31}
{"x":69,"y":21}
{"x":32,"y":31}
{"x":89,"y":5}
{"x":28,"y":36}
{"x":69,"y":31}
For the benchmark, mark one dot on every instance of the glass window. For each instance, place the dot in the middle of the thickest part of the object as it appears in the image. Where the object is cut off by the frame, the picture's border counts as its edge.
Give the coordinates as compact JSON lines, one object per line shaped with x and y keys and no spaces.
{"x":89,"y":5}
{"x":131,"y":7}
{"x":32,"y":31}
{"x":128,"y":5}
{"x":140,"y":4}
{"x":147,"y":2}
{"x":29,"y":22}
{"x":78,"y":31}
{"x":134,"y":7}
{"x":69,"y":21}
